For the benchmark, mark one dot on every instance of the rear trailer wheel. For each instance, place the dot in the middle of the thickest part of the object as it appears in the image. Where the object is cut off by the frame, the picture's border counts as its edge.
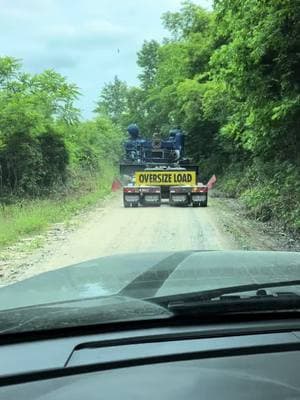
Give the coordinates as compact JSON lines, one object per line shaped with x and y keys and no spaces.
{"x":179,"y":200}
{"x":204,"y":203}
{"x":126,"y":204}
{"x":196,"y":204}
{"x":156,"y":205}
{"x":151,"y":203}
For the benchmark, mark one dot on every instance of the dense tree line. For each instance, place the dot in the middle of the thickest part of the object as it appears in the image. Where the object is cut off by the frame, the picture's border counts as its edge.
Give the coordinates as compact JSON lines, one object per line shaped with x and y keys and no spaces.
{"x":230,"y":78}
{"x":43,"y":143}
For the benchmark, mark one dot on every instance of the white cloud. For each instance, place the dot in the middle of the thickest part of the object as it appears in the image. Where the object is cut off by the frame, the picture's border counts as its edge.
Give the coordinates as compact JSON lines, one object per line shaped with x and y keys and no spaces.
{"x":24,"y":10}
{"x":84,"y":28}
{"x":86,"y":36}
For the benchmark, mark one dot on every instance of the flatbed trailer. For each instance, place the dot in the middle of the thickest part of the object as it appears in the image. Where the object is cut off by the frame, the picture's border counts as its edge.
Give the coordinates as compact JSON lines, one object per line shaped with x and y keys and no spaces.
{"x":156,"y":171}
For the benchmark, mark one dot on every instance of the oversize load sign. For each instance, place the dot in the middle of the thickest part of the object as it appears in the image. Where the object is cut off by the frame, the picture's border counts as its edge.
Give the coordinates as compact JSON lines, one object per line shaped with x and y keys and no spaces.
{"x":167,"y":178}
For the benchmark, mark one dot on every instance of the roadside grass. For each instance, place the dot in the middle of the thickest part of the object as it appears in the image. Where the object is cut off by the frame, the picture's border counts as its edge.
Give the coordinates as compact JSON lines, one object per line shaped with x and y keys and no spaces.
{"x":30,"y":217}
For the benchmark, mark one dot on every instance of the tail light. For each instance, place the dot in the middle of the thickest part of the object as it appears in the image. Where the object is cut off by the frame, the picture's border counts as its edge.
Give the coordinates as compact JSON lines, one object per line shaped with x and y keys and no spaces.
{"x":200,"y":189}
{"x":131,"y":190}
{"x":151,"y":190}
{"x":180,"y":189}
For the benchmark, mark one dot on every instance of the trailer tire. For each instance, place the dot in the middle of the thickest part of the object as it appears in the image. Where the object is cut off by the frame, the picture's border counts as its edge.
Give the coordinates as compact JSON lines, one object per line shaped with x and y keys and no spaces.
{"x":196,"y":204}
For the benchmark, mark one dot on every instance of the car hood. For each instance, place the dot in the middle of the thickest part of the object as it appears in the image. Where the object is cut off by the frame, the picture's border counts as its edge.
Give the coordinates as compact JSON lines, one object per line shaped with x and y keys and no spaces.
{"x":147,"y":275}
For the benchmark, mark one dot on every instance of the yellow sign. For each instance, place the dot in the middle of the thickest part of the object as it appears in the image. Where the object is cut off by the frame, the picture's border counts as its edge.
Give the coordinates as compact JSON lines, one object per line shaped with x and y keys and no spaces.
{"x":165,"y":178}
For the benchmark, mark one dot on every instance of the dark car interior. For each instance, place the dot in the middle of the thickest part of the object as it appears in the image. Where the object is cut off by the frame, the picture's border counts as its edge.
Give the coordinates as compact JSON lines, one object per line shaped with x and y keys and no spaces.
{"x":228,"y":358}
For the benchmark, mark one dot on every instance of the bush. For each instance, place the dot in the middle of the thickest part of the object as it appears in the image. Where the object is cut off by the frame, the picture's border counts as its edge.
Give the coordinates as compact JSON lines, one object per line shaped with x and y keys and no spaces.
{"x":260,"y":201}
{"x":21,"y":163}
{"x":35,"y":165}
{"x":268,"y":190}
{"x":30,"y":166}
{"x":55,"y":159}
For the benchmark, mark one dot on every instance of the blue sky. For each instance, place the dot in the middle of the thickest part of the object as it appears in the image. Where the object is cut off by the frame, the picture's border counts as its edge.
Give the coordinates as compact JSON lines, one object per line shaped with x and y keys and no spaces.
{"x":88,"y":41}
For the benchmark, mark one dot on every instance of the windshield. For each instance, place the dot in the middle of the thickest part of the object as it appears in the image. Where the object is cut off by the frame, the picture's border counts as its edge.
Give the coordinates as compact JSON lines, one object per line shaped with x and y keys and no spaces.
{"x":147,"y":150}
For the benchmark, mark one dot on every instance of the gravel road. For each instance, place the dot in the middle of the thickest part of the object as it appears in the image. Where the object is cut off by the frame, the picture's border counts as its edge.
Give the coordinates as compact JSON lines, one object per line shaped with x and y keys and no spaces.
{"x":111,"y":229}
{"x":115,"y":229}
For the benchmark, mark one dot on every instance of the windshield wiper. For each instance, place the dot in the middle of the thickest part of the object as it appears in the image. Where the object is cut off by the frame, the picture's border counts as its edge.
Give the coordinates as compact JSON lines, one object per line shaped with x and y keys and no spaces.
{"x":229,"y":299}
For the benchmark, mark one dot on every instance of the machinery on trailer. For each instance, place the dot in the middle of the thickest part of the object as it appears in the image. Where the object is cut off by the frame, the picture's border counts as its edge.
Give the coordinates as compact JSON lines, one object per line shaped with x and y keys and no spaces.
{"x":157,"y":170}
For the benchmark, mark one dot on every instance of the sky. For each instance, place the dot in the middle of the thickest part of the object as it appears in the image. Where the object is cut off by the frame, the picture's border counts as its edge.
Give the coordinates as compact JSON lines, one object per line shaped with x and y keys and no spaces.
{"x":88,"y":41}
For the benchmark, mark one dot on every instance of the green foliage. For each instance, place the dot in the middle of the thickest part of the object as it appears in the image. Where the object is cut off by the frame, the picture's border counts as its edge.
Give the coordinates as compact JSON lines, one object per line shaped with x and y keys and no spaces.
{"x":55,"y":159}
{"x":9,"y":67}
{"x":42,"y":141}
{"x":268,"y":190}
{"x":21,"y":164}
{"x":91,"y":142}
{"x":189,"y":20}
{"x":148,"y":58}
{"x":32,"y":157}
{"x":113,"y":101}
{"x":260,"y":62}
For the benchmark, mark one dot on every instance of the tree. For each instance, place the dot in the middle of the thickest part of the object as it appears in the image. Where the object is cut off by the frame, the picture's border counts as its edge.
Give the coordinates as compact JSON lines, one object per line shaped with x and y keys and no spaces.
{"x":148,"y":58}
{"x":189,"y":20}
{"x":113,"y":101}
{"x":32,"y":154}
{"x":259,"y":62}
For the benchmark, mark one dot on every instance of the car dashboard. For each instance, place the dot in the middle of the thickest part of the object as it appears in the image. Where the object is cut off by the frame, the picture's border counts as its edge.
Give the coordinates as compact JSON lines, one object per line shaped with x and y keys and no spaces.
{"x":258,"y":360}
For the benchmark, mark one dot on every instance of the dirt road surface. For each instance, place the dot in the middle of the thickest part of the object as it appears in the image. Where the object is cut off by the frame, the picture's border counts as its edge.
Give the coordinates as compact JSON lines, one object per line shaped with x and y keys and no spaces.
{"x":111,"y":229}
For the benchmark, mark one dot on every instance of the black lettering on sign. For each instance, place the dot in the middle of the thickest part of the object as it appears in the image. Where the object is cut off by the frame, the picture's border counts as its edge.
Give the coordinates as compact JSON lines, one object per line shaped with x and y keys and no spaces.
{"x":166,"y":178}
{"x":158,"y":178}
{"x":178,"y":178}
{"x":146,"y":178}
{"x":187,"y":178}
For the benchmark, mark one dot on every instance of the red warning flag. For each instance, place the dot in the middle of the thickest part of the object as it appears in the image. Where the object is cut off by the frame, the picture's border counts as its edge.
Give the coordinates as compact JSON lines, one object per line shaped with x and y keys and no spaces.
{"x":116,"y":185}
{"x":211,"y":182}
